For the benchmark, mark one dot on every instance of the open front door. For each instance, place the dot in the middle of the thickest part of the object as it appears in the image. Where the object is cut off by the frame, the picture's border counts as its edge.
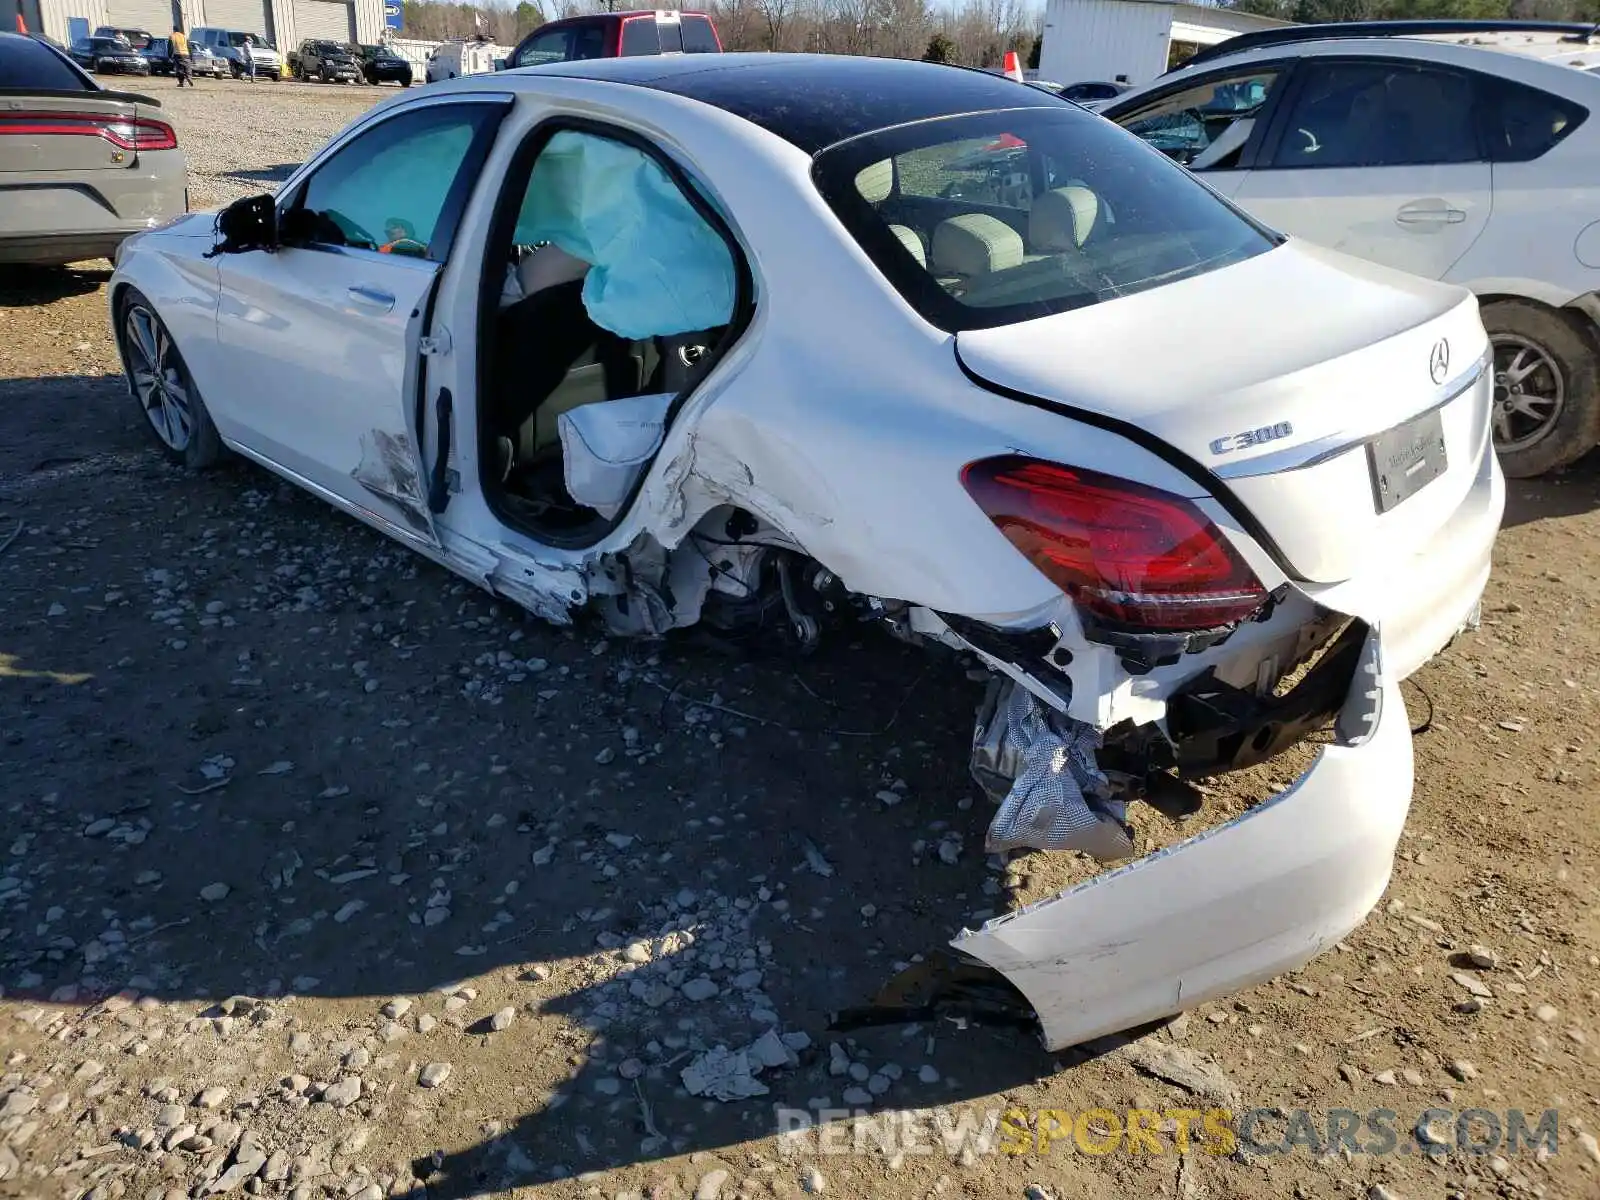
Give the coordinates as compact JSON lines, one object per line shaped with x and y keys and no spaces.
{"x":327,"y":339}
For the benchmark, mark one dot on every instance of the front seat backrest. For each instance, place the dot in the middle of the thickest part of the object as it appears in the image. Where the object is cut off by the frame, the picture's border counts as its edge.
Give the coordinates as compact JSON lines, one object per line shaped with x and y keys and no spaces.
{"x":1062,"y":219}
{"x":548,"y":266}
{"x":974,"y":244}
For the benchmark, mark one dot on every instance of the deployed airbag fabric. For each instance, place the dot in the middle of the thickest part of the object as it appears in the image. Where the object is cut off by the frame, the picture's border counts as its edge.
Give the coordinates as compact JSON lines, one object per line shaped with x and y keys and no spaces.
{"x":1058,"y":799}
{"x":604,"y":447}
{"x":658,"y":268}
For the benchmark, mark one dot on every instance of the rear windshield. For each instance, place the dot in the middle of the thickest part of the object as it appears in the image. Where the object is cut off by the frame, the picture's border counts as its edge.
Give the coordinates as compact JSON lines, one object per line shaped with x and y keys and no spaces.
{"x":699,"y":37}
{"x":27,"y":64}
{"x":999,"y":217}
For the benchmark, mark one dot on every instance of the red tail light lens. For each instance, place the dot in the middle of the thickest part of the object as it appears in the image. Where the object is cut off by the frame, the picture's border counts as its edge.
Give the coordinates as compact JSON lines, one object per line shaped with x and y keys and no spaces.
{"x":1127,"y":553}
{"x":125,"y":133}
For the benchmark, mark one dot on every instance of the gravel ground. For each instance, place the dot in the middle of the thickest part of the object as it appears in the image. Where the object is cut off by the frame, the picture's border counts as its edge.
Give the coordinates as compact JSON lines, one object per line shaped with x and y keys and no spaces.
{"x":325,"y":875}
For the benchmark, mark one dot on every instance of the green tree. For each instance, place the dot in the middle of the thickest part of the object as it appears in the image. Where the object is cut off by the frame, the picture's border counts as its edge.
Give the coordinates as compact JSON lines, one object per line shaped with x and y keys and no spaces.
{"x":940,"y":49}
{"x":1033,"y":54}
{"x":528,"y":17}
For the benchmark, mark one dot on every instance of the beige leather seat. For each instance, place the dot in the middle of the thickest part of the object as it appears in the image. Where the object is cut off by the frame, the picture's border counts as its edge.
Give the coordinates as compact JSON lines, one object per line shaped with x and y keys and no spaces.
{"x":876,"y":184}
{"x":974,"y":244}
{"x":1062,"y":219}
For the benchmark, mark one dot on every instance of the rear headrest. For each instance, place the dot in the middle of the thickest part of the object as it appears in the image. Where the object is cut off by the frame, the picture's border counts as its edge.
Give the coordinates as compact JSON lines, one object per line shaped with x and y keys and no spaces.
{"x":909,"y":239}
{"x":876,"y":182}
{"x":1062,"y":219}
{"x":975,"y":244}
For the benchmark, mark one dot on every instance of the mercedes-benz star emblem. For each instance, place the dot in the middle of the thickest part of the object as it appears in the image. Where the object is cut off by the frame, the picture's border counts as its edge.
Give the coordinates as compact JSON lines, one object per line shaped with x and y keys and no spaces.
{"x":1439,"y":361}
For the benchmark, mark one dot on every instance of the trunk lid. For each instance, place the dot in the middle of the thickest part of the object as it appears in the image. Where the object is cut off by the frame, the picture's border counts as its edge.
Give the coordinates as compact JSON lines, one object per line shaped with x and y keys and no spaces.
{"x":70,"y":131}
{"x":1274,"y":375}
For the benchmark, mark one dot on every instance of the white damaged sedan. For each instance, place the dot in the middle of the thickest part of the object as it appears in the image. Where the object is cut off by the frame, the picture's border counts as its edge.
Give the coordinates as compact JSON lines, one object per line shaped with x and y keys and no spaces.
{"x":778,"y":343}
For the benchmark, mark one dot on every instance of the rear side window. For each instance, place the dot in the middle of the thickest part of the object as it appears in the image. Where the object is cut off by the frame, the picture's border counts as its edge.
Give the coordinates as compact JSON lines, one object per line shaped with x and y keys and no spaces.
{"x":639,"y":36}
{"x":1000,"y":217}
{"x":588,"y":41}
{"x":699,"y":37}
{"x":1521,"y":123}
{"x":25,"y":63}
{"x":1378,"y":114}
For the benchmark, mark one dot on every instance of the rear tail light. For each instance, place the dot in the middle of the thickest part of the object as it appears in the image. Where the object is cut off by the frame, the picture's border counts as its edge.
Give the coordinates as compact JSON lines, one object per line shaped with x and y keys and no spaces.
{"x":126,"y":133}
{"x":1129,"y":554}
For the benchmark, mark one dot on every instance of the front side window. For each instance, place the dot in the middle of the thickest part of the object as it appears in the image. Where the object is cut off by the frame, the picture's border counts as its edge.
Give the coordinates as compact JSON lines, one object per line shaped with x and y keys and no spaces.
{"x":1095,"y":217}
{"x":387,"y":189}
{"x":545,"y":48}
{"x":1206,"y":125}
{"x":1378,"y":114}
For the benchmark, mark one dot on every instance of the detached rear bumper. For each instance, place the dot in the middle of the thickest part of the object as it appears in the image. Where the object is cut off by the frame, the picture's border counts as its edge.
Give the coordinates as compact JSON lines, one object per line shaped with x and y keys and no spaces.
{"x":1231,"y":907}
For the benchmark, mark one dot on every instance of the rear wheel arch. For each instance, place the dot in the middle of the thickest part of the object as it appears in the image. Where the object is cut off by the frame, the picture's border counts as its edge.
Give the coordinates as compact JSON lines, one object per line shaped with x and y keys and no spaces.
{"x":1569,"y":337}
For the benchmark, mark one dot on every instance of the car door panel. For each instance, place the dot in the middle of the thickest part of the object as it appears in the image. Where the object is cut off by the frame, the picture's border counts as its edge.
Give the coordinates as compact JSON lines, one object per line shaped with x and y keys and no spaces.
{"x":1375,"y":157}
{"x":318,"y":343}
{"x":1420,"y":219}
{"x":323,"y":338}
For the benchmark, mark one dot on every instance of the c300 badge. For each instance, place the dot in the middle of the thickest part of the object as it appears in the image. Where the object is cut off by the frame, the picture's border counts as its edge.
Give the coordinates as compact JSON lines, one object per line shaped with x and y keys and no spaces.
{"x":1252,"y":437}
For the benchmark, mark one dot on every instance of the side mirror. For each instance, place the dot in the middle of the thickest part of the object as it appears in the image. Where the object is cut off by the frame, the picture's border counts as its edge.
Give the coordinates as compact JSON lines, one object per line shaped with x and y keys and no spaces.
{"x":248,"y":224}
{"x":499,"y":64}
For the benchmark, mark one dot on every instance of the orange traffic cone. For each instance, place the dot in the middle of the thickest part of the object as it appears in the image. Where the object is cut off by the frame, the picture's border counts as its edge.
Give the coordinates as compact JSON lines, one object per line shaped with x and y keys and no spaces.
{"x":21,"y":28}
{"x":1013,"y":66}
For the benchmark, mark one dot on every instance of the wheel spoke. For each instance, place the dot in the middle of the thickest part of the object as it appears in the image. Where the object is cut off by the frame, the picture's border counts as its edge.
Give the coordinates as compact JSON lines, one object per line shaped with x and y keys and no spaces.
{"x":1520,"y":368}
{"x":139,"y":338}
{"x":1502,"y":425}
{"x":1537,"y":407}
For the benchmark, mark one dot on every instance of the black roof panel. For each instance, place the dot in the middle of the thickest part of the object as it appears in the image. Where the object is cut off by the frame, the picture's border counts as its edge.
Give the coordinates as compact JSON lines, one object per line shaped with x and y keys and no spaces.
{"x":814,"y":100}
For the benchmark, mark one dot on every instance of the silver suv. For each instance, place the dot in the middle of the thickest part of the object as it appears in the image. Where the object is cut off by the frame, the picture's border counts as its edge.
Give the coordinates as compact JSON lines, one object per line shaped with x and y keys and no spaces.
{"x":225,"y":44}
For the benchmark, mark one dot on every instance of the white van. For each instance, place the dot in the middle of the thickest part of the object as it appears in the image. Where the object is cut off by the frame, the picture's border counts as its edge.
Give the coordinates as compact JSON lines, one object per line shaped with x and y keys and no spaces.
{"x":225,"y":43}
{"x":450,"y":60}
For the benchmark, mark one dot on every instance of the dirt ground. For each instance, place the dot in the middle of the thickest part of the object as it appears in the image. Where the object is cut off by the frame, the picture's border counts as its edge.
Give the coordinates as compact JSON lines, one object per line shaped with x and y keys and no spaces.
{"x":325,"y":875}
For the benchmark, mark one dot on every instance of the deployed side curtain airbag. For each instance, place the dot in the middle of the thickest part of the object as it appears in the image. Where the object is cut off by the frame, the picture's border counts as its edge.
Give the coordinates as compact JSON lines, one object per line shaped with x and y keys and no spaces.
{"x":658,"y":268}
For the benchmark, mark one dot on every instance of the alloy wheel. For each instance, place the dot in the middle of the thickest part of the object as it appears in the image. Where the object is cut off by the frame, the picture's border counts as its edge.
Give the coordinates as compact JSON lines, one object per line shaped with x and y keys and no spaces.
{"x":159,"y":381}
{"x":1529,"y":392}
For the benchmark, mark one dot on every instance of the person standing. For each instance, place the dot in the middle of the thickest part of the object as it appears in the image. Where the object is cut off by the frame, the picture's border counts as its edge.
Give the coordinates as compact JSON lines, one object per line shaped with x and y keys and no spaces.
{"x":247,"y":58}
{"x":182,"y":63}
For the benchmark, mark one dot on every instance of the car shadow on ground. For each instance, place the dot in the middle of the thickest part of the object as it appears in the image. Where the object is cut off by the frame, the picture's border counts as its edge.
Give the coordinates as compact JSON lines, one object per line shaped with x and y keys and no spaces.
{"x":187,"y":672}
{"x":26,"y":286}
{"x":1565,"y":493}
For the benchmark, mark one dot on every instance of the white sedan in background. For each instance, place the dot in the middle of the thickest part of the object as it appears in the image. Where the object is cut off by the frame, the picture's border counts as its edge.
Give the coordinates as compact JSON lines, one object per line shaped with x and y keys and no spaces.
{"x":787,"y":343}
{"x":1465,"y":151}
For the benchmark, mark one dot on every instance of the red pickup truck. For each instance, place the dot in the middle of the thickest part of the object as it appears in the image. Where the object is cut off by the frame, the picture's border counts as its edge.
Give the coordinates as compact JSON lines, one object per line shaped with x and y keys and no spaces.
{"x":617,"y":34}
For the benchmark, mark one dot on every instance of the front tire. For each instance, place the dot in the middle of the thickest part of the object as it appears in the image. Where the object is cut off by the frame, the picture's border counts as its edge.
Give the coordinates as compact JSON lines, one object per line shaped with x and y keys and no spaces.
{"x":161,"y":385}
{"x":1545,"y":409}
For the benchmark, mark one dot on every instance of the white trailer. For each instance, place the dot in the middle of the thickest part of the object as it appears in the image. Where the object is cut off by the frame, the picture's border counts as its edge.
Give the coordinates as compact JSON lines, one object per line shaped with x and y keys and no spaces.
{"x":1132,"y":41}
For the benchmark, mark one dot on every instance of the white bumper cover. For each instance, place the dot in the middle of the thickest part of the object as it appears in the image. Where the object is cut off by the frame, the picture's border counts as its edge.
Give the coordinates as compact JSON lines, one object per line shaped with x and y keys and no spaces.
{"x":1231,"y":907}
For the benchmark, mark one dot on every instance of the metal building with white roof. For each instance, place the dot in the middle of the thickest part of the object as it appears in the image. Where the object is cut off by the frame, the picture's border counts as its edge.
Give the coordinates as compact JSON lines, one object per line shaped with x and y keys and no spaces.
{"x":1101,"y":39}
